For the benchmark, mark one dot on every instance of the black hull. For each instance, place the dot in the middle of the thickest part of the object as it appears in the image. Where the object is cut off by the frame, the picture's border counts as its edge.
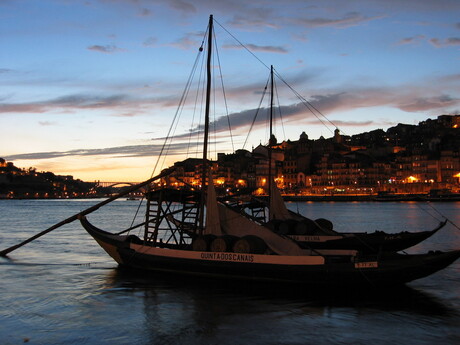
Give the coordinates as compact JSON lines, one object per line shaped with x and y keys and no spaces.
{"x":392,"y":269}
{"x":395,"y":272}
{"x":374,"y":242}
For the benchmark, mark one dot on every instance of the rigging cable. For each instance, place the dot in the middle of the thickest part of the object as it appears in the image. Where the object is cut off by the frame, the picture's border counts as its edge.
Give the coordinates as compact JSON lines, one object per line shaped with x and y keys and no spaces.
{"x":199,"y":92}
{"x":317,"y":113}
{"x":279,"y":110}
{"x":309,"y":106}
{"x":306,"y":103}
{"x":257,"y":112}
{"x":176,"y":115}
{"x":242,"y":45}
{"x":451,"y":222}
{"x":224,"y":94}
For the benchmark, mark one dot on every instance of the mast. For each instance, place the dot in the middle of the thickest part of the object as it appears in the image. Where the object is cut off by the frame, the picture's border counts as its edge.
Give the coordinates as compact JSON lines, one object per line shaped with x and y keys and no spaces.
{"x":206,"y":124}
{"x":270,"y":142}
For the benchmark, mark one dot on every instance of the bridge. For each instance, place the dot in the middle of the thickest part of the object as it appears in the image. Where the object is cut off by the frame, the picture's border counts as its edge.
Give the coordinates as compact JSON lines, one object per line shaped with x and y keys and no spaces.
{"x":115,"y":184}
{"x":111,"y":187}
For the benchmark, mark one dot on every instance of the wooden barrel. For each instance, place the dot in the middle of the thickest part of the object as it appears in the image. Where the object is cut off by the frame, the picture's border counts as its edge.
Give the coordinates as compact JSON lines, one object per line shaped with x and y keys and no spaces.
{"x":301,"y":227}
{"x":202,"y":243}
{"x":273,"y":224}
{"x":223,"y":243}
{"x":305,"y":227}
{"x":325,"y":224}
{"x":134,"y":239}
{"x":250,"y":245}
{"x":287,"y":227}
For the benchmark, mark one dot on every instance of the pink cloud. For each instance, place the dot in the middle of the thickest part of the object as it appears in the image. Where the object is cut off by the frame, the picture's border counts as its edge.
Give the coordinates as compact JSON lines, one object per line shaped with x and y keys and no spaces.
{"x":107,"y":49}
{"x":451,"y":41}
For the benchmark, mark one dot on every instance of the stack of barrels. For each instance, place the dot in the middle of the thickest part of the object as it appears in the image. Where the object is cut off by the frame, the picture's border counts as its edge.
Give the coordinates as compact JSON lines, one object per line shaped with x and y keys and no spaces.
{"x":305,"y":226}
{"x":249,"y":244}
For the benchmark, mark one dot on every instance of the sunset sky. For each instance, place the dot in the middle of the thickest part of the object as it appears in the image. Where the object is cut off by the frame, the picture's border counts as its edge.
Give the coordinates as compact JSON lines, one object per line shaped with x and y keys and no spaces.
{"x":89,"y":88}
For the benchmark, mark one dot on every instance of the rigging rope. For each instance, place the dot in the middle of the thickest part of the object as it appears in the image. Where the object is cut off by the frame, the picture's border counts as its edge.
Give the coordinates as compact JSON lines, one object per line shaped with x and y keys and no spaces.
{"x":168,"y":141}
{"x":434,"y":209}
{"x":199,"y":92}
{"x":257,"y":112}
{"x":175,"y":118}
{"x":279,"y":110}
{"x":224,"y":94}
{"x":307,"y":104}
{"x":242,"y":45}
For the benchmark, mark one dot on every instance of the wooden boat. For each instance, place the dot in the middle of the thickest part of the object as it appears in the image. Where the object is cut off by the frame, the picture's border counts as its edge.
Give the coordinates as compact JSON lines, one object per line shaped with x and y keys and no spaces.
{"x":313,"y":270}
{"x":192,"y":233}
{"x":372,"y":242}
{"x":319,"y":233}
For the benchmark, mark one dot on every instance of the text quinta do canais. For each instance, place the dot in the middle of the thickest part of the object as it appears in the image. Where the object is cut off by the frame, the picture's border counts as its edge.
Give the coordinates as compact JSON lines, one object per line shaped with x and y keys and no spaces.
{"x":228,"y":257}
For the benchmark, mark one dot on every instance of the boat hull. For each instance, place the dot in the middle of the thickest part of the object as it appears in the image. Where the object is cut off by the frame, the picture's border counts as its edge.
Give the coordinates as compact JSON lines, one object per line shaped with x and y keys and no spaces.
{"x":367,"y":242}
{"x":374,"y":273}
{"x":390,"y":269}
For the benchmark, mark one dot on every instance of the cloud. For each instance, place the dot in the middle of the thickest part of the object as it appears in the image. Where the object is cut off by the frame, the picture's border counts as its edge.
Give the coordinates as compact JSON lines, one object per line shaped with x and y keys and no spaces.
{"x":189,"y":41}
{"x":255,"y":17}
{"x":302,"y":37}
{"x":119,"y":151}
{"x":412,"y":98}
{"x":348,"y":20}
{"x":145,"y":12}
{"x":451,"y":41}
{"x":107,"y":49}
{"x":259,"y":117}
{"x":452,"y":78}
{"x":411,"y":40}
{"x":429,"y":103}
{"x":23,"y":108}
{"x":257,"y":48}
{"x":183,"y":6}
{"x":341,"y":123}
{"x":405,"y":99}
{"x":66,"y":102}
{"x":46,"y":123}
{"x":152,"y":150}
{"x":438,"y":43}
{"x":150,"y":42}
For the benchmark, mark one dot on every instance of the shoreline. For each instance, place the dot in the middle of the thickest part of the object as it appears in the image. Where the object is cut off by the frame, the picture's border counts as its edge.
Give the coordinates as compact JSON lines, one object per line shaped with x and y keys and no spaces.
{"x":312,"y":198}
{"x":368,"y":198}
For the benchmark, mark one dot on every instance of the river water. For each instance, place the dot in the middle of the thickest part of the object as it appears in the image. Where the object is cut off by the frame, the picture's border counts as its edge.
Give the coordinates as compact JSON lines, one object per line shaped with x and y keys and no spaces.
{"x":64,"y":289}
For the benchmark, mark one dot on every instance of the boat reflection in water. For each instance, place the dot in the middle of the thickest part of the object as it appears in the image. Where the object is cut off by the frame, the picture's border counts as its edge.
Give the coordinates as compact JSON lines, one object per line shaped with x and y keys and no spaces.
{"x":209,"y":311}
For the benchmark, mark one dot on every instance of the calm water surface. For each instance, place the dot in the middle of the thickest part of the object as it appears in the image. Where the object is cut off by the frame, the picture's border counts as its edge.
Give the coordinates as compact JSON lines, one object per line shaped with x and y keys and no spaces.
{"x":63,"y":289}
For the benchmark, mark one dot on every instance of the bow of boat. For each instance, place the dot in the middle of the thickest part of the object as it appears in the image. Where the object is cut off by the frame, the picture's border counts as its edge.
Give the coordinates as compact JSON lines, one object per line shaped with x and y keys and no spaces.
{"x":111,"y":243}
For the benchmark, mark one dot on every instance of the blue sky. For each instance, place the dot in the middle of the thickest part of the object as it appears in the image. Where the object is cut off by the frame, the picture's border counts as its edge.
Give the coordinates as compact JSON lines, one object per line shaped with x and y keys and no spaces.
{"x":89,"y":88}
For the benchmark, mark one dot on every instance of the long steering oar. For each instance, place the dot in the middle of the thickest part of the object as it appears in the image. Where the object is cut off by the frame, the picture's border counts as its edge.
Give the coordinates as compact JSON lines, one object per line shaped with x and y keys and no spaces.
{"x":84,"y":212}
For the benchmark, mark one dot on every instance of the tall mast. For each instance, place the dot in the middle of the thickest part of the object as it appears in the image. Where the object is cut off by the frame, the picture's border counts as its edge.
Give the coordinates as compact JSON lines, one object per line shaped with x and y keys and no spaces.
{"x":206,"y":123}
{"x":270,"y":142}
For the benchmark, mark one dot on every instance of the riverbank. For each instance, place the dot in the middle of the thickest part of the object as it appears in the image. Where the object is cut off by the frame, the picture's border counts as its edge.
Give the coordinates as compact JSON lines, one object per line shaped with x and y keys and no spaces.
{"x":376,"y":198}
{"x":299,"y":198}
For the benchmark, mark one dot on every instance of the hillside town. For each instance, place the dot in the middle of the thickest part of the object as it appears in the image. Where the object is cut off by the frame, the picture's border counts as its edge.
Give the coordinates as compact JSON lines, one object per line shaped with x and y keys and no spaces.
{"x":406,"y":159}
{"x":29,"y":183}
